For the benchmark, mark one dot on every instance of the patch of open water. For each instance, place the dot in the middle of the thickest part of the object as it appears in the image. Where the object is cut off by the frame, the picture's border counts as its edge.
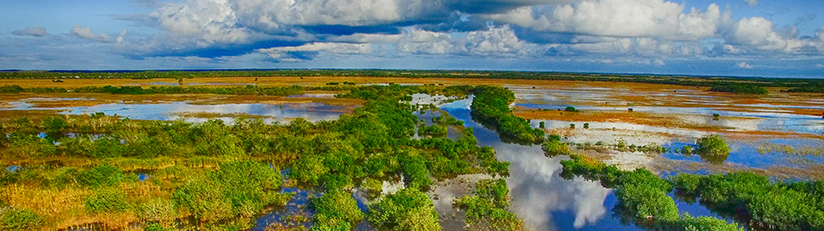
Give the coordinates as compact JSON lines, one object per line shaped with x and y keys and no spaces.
{"x":174,"y":111}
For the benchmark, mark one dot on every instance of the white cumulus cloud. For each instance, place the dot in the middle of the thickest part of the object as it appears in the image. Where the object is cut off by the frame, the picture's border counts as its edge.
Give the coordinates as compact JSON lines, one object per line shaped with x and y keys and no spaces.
{"x":751,"y":2}
{"x":601,"y":29}
{"x":619,"y":18}
{"x":744,"y":65}
{"x":87,"y":33}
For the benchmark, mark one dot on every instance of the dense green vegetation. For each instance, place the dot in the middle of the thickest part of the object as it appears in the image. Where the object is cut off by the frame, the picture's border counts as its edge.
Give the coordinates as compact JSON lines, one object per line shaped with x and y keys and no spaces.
{"x":752,"y":199}
{"x":223,"y":175}
{"x":740,"y":89}
{"x":713,"y":148}
{"x":488,"y":207}
{"x":491,"y":108}
{"x":237,"y":189}
{"x":179,"y":74}
{"x":755,"y":200}
{"x":642,"y":196}
{"x":407,"y":210}
{"x":808,"y":89}
{"x":446,"y":120}
{"x":336,"y":210}
{"x":554,"y":147}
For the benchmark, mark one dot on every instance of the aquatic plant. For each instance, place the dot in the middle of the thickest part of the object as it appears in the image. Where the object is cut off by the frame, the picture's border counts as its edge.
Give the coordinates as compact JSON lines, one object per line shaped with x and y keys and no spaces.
{"x":488,"y":207}
{"x":107,"y":201}
{"x":553,"y":147}
{"x":214,"y":171}
{"x":491,"y":107}
{"x":336,"y":206}
{"x":686,"y":150}
{"x":646,"y":202}
{"x":642,"y":196}
{"x":713,"y":148}
{"x":757,"y":201}
{"x":434,"y":131}
{"x":446,"y":120}
{"x":406,"y":210}
{"x":237,"y":189}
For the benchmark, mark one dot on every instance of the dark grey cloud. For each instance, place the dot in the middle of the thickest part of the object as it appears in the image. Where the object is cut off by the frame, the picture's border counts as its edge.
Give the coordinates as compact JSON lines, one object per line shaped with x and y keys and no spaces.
{"x":31,"y":31}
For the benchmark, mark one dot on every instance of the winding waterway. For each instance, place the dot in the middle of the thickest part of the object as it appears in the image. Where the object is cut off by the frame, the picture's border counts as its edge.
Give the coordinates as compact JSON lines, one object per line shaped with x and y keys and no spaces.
{"x":540,"y":196}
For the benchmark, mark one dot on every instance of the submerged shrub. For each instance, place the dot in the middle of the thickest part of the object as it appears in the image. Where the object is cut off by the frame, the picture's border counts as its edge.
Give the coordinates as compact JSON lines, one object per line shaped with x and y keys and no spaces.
{"x":417,"y":176}
{"x":55,"y":124}
{"x":309,"y":169}
{"x":107,"y":201}
{"x":27,"y":146}
{"x":204,"y":199}
{"x":236,"y":189}
{"x":107,"y":147}
{"x":338,"y":205}
{"x":100,"y":176}
{"x":690,"y":223}
{"x":406,"y":210}
{"x":157,"y":209}
{"x":713,"y":148}
{"x":686,"y":183}
{"x":647,"y":202}
{"x":489,"y":206}
{"x":553,"y":147}
{"x":686,"y":150}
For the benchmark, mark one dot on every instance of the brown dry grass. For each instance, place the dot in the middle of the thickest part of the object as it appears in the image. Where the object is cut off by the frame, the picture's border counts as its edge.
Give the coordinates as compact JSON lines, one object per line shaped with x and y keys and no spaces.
{"x":643,"y":118}
{"x":630,"y":93}
{"x":61,"y":209}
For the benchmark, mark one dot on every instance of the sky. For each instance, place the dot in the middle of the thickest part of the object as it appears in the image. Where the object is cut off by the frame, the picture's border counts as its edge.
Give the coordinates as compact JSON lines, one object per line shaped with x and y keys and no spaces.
{"x":690,"y":37}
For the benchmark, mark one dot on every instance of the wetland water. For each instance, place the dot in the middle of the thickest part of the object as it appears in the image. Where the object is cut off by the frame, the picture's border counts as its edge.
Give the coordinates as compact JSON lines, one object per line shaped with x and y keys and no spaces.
{"x":540,"y":196}
{"x":201,"y":112}
{"x":763,"y":132}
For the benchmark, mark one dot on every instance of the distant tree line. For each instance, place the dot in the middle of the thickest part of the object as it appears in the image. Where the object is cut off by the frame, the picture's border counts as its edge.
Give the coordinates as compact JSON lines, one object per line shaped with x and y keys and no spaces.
{"x":800,"y":84}
{"x":740,"y":89}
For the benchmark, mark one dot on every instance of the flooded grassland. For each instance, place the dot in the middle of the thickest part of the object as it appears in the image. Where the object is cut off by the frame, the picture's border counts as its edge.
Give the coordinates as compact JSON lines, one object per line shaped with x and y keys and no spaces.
{"x":779,"y":134}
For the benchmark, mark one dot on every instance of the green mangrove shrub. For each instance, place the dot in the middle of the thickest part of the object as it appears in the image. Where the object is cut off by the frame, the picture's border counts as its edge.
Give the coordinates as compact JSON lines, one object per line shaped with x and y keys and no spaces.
{"x":406,"y":210}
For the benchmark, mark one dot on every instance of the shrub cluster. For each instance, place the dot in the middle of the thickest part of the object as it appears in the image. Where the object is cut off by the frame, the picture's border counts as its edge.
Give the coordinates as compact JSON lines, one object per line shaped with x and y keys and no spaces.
{"x":713,"y":148}
{"x":406,"y":210}
{"x":488,"y":207}
{"x":491,"y":107}
{"x":754,"y":199}
{"x":642,"y":196}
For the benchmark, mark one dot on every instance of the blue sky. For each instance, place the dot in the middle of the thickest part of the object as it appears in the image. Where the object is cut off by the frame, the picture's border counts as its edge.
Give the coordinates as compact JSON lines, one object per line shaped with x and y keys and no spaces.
{"x":699,"y":37}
